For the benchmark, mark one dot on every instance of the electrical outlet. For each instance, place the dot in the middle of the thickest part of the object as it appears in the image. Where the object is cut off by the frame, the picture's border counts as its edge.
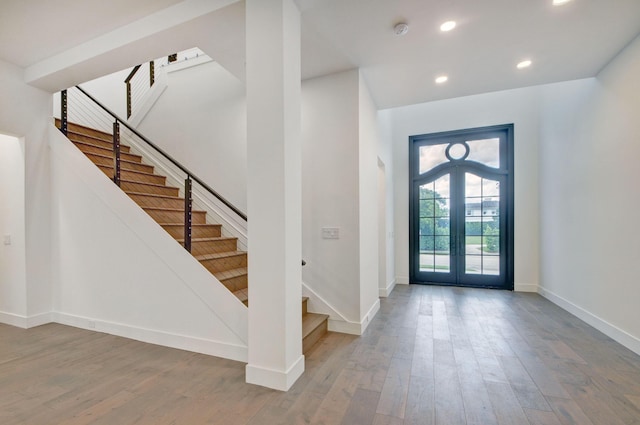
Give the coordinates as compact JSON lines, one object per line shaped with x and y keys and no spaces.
{"x":7,"y":239}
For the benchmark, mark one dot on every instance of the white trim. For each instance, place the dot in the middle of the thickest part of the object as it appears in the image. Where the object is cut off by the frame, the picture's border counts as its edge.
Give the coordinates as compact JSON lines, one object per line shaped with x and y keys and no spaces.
{"x":13,"y":319}
{"x":317,"y":304}
{"x":370,"y":315}
{"x":338,"y":322}
{"x":25,"y":322}
{"x":385,"y":292}
{"x":39,"y":319}
{"x":186,"y":63}
{"x":344,"y":327}
{"x":612,"y":331}
{"x":152,"y":336}
{"x":402,"y":280}
{"x":354,"y":328}
{"x":526,"y":287}
{"x":270,"y":378}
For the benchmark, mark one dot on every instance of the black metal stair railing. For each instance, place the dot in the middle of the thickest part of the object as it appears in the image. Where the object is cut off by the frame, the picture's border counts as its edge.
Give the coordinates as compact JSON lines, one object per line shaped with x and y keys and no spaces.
{"x":137,"y":84}
{"x":88,"y":116}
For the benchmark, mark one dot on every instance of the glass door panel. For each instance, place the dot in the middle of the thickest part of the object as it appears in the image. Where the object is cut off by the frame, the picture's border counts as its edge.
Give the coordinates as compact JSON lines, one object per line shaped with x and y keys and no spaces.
{"x":482,"y":241}
{"x":435,"y":226}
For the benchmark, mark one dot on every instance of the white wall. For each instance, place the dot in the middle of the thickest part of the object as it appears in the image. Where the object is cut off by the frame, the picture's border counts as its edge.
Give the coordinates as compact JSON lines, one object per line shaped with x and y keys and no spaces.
{"x":385,"y":154}
{"x":110,"y":90}
{"x":590,"y":148}
{"x":200,"y":120}
{"x":13,"y":274}
{"x":519,"y":107}
{"x":369,"y":135}
{"x":25,"y":112}
{"x":330,"y":189}
{"x":115,"y":270}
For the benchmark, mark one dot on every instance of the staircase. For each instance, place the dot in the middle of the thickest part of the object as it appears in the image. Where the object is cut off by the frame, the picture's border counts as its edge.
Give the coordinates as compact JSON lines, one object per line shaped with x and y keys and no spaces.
{"x":217,"y":253}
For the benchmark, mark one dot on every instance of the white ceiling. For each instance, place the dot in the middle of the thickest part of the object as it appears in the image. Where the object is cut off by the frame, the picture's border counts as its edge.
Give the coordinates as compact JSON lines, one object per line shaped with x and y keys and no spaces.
{"x":566,"y":42}
{"x":33,"y":30}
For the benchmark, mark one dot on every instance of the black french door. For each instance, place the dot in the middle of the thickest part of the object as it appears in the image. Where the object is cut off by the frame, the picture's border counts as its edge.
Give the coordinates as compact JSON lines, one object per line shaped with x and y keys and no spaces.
{"x":461,"y":208}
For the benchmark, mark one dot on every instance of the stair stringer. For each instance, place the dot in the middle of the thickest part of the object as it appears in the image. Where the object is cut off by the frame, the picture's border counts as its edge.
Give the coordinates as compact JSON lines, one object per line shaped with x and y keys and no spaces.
{"x":337,"y":321}
{"x":175,"y":303}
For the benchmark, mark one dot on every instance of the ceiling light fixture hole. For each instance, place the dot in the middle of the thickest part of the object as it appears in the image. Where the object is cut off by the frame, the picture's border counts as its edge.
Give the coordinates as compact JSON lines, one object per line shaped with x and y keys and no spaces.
{"x":401,"y":29}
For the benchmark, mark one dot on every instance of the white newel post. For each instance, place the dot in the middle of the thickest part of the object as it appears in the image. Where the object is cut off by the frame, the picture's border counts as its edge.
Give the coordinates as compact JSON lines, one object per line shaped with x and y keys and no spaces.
{"x":274,"y":193}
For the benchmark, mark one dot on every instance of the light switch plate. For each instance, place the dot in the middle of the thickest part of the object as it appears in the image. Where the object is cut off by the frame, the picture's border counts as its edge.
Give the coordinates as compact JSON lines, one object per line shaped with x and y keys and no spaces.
{"x":330,"y":233}
{"x":7,"y":239}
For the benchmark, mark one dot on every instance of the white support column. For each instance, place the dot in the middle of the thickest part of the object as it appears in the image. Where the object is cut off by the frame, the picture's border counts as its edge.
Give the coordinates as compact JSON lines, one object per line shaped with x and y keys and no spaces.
{"x":274,"y":193}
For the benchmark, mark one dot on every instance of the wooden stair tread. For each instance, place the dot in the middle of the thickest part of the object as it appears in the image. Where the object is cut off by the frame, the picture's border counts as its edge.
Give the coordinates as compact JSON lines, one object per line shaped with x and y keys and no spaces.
{"x":170,"y":209}
{"x":217,"y":255}
{"x":193,"y":225}
{"x":84,"y":142}
{"x":242,"y":295}
{"x":311,"y":321}
{"x":214,"y":238}
{"x":122,"y":161}
{"x":136,"y":156}
{"x":72,"y":124}
{"x":142,"y":173}
{"x":153,"y":195}
{"x":106,"y":138}
{"x":146,"y":183}
{"x":229,"y":274}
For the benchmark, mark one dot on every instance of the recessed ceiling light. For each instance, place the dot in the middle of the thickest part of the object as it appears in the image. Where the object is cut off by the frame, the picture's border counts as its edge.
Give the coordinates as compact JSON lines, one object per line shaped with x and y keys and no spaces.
{"x":448,"y":26}
{"x":441,"y":79}
{"x":560,"y":2}
{"x":524,"y":64}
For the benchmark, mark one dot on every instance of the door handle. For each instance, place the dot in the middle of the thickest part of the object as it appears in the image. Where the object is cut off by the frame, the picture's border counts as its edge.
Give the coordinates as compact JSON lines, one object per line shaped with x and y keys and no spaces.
{"x":452,"y":245}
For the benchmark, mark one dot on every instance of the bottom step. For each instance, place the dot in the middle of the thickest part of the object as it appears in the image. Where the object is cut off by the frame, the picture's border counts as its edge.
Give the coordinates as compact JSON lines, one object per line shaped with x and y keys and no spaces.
{"x":314,"y":327}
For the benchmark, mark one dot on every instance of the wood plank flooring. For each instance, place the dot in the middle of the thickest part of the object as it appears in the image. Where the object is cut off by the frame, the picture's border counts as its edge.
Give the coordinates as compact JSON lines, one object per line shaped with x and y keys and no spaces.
{"x":432,"y":355}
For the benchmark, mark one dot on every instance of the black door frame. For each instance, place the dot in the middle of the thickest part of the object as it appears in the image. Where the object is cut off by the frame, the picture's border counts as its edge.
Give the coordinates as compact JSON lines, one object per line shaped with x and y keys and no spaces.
{"x":505,"y":132}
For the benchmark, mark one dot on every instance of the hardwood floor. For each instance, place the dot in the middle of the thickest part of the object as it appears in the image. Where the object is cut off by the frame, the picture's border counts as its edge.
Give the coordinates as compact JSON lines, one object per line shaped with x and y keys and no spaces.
{"x":432,"y":355}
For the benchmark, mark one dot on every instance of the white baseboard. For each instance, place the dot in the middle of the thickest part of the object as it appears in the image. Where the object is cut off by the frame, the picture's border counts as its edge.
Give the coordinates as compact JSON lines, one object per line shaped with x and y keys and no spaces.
{"x":370,"y":315}
{"x":13,"y":319}
{"x":402,"y":280}
{"x":25,"y":322}
{"x":344,"y":327}
{"x":182,"y":342}
{"x":39,"y":319}
{"x":385,"y":292}
{"x":525,"y":287}
{"x":612,"y":331}
{"x":275,"y":379}
{"x":354,"y":328}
